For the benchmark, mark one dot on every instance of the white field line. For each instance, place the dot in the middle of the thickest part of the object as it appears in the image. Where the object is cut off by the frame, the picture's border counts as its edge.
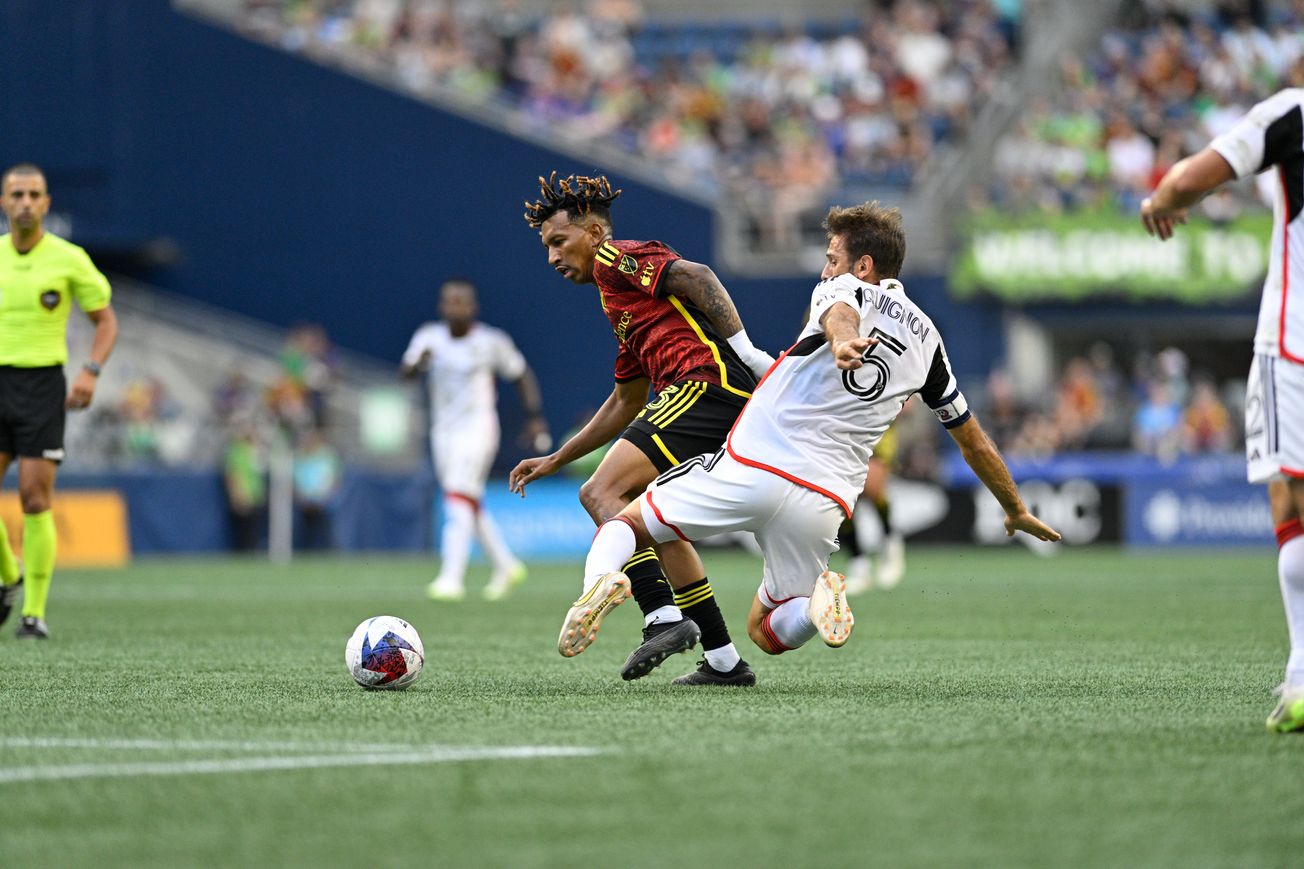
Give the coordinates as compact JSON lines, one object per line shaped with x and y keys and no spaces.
{"x":434,"y":754}
{"x":200,"y":745}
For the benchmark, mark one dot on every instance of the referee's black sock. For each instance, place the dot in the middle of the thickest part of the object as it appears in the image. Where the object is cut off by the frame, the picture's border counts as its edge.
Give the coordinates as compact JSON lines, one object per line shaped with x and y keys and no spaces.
{"x":697,"y":602}
{"x":648,"y":582}
{"x":884,"y":510}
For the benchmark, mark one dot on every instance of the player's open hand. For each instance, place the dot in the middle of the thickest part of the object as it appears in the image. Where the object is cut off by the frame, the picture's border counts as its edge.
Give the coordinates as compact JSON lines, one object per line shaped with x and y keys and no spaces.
{"x":530,"y":470}
{"x":848,"y":354}
{"x":81,"y":391}
{"x":1160,"y":221}
{"x":1030,"y":524}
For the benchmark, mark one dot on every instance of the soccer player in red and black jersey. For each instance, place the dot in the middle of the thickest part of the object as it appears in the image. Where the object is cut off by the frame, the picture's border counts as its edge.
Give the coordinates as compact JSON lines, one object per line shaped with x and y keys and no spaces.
{"x":680,"y":334}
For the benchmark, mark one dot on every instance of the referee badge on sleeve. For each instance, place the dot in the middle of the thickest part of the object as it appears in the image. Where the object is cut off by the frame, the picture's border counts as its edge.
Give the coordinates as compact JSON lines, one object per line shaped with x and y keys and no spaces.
{"x":50,"y":300}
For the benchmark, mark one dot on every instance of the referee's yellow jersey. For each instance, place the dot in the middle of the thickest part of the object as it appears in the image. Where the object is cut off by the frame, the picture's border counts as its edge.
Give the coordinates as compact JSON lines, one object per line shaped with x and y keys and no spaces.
{"x":37,"y":289}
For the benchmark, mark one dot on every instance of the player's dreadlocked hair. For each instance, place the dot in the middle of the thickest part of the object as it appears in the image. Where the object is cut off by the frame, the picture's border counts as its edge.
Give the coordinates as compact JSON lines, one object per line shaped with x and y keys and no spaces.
{"x":576,"y":195}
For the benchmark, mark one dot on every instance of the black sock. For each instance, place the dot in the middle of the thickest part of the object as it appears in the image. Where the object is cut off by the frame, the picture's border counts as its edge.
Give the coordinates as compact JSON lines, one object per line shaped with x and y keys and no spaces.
{"x":884,"y":509}
{"x":697,"y":602}
{"x":647,"y":582}
{"x":849,"y":540}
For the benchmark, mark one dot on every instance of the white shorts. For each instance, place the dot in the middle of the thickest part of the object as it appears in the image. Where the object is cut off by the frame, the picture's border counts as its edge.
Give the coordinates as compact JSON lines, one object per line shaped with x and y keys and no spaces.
{"x":463,"y":459}
{"x":1274,"y":419}
{"x":796,"y":527}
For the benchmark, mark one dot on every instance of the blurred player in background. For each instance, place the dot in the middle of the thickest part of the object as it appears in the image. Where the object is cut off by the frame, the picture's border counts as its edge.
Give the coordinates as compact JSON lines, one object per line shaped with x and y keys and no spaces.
{"x":890,"y":567}
{"x":41,"y":275}
{"x":461,"y":358}
{"x":1270,"y":136}
{"x":678,"y":332}
{"x":796,"y":459}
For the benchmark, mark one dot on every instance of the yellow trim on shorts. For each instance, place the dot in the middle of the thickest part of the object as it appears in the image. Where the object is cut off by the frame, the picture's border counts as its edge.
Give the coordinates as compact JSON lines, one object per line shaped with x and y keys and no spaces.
{"x":656,"y":439}
{"x":715,"y":351}
{"x":683,"y":394}
{"x":694,"y":390}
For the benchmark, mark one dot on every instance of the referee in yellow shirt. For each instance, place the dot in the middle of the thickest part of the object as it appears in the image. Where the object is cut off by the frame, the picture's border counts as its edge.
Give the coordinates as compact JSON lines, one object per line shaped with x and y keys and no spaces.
{"x":41,"y":275}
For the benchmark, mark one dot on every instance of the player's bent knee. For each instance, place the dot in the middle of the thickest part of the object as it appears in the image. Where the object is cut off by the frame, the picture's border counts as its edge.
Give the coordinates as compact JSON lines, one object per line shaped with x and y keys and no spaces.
{"x":599,"y":501}
{"x":763,"y":642}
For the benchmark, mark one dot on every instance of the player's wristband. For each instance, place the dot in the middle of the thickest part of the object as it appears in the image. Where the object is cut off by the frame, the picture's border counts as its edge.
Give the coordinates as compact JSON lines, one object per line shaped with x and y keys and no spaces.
{"x":754,"y":358}
{"x":92,"y":367}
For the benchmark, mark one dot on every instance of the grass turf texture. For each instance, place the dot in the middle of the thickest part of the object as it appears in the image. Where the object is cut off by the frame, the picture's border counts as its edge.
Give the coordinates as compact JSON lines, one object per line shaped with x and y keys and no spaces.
{"x":996,"y":709}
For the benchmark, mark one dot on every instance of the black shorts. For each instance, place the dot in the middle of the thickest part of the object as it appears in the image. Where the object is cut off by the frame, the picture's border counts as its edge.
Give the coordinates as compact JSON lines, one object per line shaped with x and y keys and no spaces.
{"x":685,"y":419}
{"x":32,"y":411}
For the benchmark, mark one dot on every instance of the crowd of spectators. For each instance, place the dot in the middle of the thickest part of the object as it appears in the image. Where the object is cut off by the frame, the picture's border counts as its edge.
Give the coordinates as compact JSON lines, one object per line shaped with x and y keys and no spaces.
{"x":776,"y":116}
{"x":1160,"y":410}
{"x":1154,"y":90}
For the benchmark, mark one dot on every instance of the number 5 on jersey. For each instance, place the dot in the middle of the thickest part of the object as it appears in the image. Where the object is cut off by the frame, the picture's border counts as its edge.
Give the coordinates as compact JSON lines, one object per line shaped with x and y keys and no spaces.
{"x":868,"y":383}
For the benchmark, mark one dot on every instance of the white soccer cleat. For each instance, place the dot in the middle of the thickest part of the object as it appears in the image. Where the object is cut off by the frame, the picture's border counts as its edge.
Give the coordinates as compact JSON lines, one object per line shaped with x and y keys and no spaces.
{"x":585,"y":615}
{"x":829,"y":611}
{"x":443,"y":590}
{"x":859,"y":577}
{"x":503,"y":581}
{"x":892,"y":563}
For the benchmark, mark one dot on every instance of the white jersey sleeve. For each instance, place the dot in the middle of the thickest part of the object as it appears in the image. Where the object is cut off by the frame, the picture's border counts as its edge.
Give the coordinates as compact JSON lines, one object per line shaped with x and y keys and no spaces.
{"x":422,"y":340}
{"x":508,"y":362}
{"x":1268,"y":136}
{"x":941,"y":392}
{"x":843,"y":288}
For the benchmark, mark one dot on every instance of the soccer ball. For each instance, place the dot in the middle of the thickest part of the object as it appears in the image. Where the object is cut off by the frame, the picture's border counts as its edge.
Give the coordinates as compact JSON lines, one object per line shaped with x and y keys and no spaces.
{"x":385,"y":652}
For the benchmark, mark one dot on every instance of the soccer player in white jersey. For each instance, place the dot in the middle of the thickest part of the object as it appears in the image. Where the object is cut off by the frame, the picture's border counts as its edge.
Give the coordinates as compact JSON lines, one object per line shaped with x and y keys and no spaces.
{"x":796,"y":458}
{"x":461,"y":358}
{"x":1271,"y":136}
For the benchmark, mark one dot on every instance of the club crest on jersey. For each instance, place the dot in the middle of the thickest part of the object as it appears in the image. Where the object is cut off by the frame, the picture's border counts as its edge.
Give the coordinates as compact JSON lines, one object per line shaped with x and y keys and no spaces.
{"x":50,"y":300}
{"x":628,"y":264}
{"x":646,"y":279}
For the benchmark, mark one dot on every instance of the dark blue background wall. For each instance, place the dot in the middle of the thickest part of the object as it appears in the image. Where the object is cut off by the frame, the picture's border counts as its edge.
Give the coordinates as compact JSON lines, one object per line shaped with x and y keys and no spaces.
{"x":296,"y":193}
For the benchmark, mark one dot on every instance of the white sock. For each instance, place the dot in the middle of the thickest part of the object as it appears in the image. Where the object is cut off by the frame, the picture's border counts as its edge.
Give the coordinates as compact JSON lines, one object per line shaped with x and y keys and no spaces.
{"x":491,"y":538}
{"x":455,"y":541}
{"x":665,"y":613}
{"x":724,"y":658}
{"x":1290,"y":573}
{"x":791,"y":623}
{"x":612,"y":546}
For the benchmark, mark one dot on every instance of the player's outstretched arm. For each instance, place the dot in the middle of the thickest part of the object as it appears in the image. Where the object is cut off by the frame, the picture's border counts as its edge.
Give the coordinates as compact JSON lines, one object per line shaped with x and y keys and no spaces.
{"x":1181,"y":187}
{"x":981,"y":454}
{"x":698,"y":284}
{"x":618,"y":411}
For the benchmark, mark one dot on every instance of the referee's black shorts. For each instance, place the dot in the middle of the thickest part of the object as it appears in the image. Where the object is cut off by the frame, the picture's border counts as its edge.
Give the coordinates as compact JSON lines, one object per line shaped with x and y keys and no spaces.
{"x":685,"y":419}
{"x":32,"y":411}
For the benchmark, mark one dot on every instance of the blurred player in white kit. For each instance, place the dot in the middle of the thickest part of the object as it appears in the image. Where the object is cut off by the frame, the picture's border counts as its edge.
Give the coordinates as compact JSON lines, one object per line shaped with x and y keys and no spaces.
{"x":461,"y":359}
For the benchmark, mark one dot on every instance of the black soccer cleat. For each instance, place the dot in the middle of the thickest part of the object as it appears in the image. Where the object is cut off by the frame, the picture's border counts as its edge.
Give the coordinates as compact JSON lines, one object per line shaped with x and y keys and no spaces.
{"x":9,"y":597}
{"x":32,"y":628}
{"x":660,"y":641}
{"x":741,"y":675}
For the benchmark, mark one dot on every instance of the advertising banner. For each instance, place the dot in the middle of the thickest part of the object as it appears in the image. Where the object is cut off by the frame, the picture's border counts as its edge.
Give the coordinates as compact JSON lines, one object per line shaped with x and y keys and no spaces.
{"x":1094,"y":255}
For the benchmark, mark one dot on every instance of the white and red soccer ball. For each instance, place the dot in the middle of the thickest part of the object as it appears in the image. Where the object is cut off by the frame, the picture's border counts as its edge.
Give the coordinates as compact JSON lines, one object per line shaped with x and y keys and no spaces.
{"x":385,"y":652}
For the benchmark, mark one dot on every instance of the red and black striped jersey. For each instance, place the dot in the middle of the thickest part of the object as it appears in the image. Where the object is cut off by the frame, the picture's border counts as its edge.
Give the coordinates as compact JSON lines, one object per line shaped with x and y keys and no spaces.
{"x":662,"y":337}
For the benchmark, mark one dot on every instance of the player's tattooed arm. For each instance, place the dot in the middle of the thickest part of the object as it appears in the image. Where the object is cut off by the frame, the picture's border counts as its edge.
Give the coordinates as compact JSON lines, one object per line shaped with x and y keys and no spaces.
{"x":699,"y":285}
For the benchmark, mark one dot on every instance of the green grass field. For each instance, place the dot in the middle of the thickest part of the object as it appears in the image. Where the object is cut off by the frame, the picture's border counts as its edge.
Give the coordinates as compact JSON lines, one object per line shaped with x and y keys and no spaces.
{"x":998,"y":709}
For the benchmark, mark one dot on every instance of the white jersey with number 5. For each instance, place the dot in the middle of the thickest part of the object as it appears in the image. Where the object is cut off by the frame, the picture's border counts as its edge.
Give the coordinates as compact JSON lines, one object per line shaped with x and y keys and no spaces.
{"x":1272,"y":136}
{"x":816,"y":424}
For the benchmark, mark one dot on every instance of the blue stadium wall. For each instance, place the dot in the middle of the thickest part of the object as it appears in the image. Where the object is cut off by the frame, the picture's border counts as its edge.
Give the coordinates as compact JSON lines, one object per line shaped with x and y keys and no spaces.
{"x":296,"y":193}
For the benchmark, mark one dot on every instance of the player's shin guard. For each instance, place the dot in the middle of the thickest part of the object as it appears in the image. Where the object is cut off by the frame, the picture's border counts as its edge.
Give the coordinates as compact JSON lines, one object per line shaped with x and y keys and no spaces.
{"x":8,"y":564}
{"x":39,"y":545}
{"x":648,"y":582}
